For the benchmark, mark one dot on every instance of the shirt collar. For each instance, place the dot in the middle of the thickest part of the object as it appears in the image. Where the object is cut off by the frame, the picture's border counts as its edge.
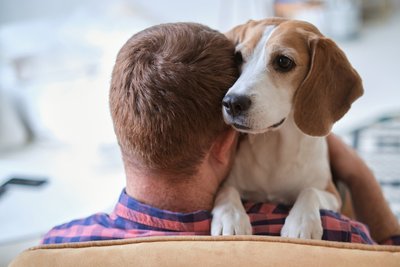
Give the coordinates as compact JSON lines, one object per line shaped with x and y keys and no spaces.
{"x":133,"y":210}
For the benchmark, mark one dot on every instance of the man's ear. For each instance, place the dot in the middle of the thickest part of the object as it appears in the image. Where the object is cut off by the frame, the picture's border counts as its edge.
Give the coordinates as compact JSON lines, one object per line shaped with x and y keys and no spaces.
{"x":224,"y":146}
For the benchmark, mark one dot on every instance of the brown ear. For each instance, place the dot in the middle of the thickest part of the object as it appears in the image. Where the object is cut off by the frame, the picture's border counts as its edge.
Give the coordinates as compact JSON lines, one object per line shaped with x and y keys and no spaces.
{"x":328,"y":90}
{"x":235,"y":34}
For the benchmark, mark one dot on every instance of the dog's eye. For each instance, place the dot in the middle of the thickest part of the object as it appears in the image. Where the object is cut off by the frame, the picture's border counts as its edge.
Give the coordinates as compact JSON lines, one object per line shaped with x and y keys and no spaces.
{"x":238,"y":58}
{"x":283,"y":63}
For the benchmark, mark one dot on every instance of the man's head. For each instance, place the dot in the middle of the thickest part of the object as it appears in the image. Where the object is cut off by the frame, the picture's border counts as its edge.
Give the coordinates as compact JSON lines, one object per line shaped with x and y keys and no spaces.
{"x":165,"y":98}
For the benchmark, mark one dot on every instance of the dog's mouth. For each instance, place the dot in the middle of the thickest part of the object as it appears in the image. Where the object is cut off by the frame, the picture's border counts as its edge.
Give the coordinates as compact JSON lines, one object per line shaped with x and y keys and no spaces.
{"x":276,"y":125}
{"x":246,"y":129}
{"x":240,"y":126}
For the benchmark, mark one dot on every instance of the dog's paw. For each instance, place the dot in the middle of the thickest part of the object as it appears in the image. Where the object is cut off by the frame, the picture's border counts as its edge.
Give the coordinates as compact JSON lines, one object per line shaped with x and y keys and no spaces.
{"x":303,"y":225}
{"x":230,"y":222}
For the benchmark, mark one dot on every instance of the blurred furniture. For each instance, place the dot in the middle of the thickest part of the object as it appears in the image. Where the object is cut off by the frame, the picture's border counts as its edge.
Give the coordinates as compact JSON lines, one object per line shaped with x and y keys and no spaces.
{"x":378,"y":142}
{"x":79,"y":183}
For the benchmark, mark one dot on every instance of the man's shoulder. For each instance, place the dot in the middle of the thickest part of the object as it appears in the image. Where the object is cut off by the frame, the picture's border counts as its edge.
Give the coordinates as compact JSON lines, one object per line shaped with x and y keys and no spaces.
{"x":84,"y":229}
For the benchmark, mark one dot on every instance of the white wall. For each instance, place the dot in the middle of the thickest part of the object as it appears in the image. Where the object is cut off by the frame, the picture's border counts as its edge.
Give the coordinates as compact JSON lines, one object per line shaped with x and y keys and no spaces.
{"x":22,"y":10}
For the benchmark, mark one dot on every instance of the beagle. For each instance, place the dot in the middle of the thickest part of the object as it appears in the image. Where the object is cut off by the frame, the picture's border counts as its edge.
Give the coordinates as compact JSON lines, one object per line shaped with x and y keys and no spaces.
{"x":294,"y":84}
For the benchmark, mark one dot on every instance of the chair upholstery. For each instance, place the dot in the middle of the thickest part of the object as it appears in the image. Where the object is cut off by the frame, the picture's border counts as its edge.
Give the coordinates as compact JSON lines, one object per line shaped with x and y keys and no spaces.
{"x":204,"y":251}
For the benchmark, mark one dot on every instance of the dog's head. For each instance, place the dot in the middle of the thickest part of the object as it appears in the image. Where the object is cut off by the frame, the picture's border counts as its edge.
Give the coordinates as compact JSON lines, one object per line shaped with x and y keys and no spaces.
{"x":288,"y":68}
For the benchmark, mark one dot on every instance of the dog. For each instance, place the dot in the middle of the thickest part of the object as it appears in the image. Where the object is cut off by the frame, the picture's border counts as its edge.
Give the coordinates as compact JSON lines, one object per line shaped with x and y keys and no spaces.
{"x":294,"y":84}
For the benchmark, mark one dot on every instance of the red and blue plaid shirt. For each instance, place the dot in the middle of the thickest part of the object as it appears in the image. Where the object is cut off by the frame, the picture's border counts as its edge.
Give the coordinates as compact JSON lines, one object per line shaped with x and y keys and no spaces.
{"x":131,"y":219}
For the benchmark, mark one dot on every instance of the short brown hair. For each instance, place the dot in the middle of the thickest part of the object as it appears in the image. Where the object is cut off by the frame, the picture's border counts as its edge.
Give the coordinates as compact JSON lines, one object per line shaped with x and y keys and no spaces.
{"x":166,"y":91}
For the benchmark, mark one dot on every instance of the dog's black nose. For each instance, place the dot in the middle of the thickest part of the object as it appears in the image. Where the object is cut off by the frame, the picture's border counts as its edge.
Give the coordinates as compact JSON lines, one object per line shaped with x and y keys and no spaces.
{"x":236,"y":104}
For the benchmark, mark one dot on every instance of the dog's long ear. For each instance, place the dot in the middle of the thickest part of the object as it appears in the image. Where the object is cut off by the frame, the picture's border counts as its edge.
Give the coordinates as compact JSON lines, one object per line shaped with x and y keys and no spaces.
{"x":236,"y":34}
{"x":328,"y":90}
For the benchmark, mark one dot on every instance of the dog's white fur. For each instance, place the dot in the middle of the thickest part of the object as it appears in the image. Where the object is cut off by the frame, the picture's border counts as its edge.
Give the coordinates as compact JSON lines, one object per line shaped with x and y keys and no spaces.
{"x":273,"y":164}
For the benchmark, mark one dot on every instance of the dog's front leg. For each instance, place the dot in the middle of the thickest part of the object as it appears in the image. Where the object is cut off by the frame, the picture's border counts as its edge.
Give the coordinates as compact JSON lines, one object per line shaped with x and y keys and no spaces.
{"x":229,"y":215}
{"x":304,"y":219}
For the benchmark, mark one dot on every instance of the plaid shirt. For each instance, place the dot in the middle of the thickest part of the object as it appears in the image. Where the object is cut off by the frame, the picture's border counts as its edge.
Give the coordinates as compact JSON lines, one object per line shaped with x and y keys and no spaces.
{"x":131,"y":219}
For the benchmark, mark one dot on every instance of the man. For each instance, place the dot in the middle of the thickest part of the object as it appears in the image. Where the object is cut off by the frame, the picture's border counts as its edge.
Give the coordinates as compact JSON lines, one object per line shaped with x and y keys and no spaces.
{"x":165,"y":100}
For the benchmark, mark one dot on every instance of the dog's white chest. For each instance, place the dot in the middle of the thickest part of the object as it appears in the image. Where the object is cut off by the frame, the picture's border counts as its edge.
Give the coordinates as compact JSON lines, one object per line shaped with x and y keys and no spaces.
{"x":274,"y":167}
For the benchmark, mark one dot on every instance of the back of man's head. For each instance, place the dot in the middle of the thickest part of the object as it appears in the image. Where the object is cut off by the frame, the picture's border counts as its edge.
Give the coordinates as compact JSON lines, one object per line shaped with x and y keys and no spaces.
{"x":166,"y":91}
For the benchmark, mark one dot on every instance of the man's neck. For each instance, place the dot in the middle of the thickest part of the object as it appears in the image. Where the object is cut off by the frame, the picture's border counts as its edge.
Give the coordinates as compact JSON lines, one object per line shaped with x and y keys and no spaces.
{"x":179,"y":195}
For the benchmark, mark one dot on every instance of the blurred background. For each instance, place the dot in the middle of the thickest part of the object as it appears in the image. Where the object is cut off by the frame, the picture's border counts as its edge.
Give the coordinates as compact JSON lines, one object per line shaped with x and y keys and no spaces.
{"x":59,"y":159}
